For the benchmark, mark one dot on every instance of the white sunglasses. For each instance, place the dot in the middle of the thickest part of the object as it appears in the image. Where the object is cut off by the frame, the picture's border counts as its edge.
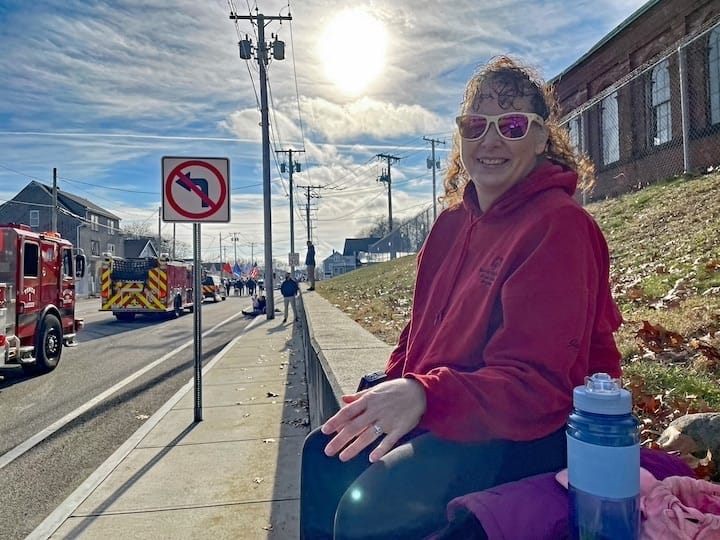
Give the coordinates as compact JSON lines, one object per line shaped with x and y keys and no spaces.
{"x":512,"y":126}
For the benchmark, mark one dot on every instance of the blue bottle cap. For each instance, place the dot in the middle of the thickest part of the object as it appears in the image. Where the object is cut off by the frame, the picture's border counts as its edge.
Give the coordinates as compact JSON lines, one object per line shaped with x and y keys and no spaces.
{"x":602,"y":394}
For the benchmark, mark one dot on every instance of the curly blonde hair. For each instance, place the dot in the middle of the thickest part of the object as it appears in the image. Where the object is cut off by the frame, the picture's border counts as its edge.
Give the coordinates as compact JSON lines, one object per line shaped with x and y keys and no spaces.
{"x":510,"y":80}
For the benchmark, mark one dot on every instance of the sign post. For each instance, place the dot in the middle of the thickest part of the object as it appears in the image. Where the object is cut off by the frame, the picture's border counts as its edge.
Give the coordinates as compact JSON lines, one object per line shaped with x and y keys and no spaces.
{"x":197,"y":322}
{"x":196,"y":190}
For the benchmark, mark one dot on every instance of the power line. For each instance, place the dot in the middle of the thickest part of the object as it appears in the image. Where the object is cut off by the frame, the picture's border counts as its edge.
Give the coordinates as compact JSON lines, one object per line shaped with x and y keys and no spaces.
{"x":263,"y":51}
{"x":386,"y":177}
{"x":434,"y":164}
{"x":294,"y":167}
{"x":309,"y":196}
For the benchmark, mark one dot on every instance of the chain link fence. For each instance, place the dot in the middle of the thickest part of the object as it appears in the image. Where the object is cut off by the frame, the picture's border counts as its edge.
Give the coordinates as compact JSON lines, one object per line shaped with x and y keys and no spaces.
{"x":404,"y":239}
{"x":660,"y":121}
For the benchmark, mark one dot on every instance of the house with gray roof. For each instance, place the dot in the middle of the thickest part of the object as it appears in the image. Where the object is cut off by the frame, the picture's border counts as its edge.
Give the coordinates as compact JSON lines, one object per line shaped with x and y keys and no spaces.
{"x":139,"y":248}
{"x":88,"y":226}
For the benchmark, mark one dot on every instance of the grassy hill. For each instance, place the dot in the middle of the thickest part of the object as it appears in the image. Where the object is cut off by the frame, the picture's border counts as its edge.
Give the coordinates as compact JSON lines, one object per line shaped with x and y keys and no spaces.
{"x":664,"y":244}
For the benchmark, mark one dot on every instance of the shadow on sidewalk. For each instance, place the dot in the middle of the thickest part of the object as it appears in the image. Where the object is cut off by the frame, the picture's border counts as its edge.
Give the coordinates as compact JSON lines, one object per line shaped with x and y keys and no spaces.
{"x":98,"y":511}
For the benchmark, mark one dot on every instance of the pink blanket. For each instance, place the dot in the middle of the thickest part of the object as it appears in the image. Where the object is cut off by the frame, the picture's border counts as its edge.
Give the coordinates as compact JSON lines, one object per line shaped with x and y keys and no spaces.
{"x":681,"y":508}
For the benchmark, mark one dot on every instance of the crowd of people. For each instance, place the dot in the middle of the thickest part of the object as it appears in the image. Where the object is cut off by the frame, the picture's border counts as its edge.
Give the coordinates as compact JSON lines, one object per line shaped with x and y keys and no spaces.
{"x":289,"y":288}
{"x":240,"y":286}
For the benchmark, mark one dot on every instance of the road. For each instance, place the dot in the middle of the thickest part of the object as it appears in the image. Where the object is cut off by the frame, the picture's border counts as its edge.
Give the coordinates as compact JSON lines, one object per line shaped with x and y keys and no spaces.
{"x":33,"y":484}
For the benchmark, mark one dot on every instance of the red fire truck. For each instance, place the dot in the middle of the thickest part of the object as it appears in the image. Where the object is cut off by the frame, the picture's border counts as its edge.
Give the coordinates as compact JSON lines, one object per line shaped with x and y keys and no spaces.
{"x":152,"y":285}
{"x":37,"y":297}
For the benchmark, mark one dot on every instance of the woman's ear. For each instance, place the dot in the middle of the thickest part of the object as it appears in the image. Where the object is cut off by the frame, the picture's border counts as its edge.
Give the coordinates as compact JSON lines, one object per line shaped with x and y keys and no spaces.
{"x":542,"y":135}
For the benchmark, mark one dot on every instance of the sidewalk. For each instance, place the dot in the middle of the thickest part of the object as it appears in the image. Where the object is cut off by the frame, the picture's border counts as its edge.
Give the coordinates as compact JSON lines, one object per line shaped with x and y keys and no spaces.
{"x":233,"y":475}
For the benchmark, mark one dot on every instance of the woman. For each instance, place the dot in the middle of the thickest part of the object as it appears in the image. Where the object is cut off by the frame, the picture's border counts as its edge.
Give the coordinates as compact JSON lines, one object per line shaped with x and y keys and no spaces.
{"x":479,"y":386}
{"x":258,"y":306}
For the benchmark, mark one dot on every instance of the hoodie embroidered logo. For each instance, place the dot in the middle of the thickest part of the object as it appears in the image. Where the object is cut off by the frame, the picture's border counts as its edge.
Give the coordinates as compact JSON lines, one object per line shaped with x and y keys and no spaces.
{"x":488,"y":275}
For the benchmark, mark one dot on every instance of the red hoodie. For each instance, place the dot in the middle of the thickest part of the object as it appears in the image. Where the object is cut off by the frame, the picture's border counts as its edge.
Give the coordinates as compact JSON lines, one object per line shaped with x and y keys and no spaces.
{"x":512,"y":308}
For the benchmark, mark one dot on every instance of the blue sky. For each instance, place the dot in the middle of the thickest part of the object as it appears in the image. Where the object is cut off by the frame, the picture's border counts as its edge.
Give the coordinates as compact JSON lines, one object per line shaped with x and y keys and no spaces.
{"x":102,"y":90}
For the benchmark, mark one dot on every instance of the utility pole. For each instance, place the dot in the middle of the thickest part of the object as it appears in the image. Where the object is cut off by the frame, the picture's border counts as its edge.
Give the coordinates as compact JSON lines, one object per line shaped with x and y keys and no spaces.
{"x":296,"y":168}
{"x":278,"y":52}
{"x":235,"y":239}
{"x":55,"y":203}
{"x":433,"y":164}
{"x":159,"y":230}
{"x":307,"y":206}
{"x":222,"y":259}
{"x":387,"y":177}
{"x":252,"y":253}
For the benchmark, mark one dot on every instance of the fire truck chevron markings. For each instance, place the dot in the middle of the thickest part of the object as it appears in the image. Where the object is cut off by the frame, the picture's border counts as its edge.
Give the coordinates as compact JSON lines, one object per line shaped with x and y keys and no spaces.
{"x":20,"y":449}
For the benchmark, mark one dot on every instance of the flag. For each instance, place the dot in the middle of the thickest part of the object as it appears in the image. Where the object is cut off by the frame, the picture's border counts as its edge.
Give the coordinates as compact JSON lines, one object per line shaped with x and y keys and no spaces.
{"x":255,"y":271}
{"x":227,"y":268}
{"x":237,"y":270}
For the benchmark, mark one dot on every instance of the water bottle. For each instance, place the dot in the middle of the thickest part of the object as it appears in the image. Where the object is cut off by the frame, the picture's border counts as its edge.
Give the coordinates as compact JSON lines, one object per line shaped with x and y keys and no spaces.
{"x":603,"y":444}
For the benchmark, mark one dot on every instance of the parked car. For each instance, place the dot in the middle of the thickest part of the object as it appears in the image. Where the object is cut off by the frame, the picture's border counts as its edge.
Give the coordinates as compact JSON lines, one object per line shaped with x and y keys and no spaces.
{"x":212,"y":287}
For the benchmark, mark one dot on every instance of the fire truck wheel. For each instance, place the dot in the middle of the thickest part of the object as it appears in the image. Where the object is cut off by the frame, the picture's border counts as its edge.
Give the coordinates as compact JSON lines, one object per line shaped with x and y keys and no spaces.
{"x":49,"y":345}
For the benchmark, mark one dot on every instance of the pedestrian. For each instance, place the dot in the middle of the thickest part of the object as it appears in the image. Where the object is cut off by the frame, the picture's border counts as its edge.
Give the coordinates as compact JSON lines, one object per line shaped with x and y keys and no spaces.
{"x":258,"y":307}
{"x":289,"y":290}
{"x":310,"y":265}
{"x":479,"y":386}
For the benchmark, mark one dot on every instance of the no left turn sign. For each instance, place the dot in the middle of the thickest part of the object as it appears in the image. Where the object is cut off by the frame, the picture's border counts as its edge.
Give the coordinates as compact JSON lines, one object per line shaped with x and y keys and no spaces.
{"x":196,"y":189}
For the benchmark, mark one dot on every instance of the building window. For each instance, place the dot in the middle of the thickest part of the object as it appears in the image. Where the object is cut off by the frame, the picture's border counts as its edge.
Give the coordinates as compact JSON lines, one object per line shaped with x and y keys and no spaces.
{"x":660,"y":104}
{"x":34,"y":218}
{"x":714,"y":74}
{"x":610,"y":129}
{"x":576,"y":133}
{"x":94,"y":222}
{"x":111,"y":227}
{"x":111,"y":249}
{"x":94,"y":248}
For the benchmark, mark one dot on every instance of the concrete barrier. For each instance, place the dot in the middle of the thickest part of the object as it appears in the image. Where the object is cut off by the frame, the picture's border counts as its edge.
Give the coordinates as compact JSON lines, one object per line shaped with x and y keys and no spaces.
{"x":338,"y":351}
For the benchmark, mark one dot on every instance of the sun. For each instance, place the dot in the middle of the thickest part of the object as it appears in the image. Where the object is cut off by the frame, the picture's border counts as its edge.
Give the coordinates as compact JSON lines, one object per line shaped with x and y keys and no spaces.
{"x":352,"y":47}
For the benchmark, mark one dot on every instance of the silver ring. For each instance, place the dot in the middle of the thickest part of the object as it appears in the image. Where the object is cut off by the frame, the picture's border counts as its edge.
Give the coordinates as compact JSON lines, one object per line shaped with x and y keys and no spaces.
{"x":377,"y":429}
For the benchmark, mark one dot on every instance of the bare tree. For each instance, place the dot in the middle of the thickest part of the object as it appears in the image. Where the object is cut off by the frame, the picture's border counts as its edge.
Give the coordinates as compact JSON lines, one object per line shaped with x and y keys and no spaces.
{"x":377,"y":229}
{"x":142,"y":230}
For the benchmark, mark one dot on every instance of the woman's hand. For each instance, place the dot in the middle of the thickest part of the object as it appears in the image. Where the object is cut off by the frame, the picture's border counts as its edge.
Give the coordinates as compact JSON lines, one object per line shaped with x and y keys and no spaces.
{"x":394,"y":406}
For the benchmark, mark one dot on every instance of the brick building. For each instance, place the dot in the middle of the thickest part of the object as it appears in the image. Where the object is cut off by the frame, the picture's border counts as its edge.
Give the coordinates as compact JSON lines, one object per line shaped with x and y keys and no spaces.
{"x":644,"y":102}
